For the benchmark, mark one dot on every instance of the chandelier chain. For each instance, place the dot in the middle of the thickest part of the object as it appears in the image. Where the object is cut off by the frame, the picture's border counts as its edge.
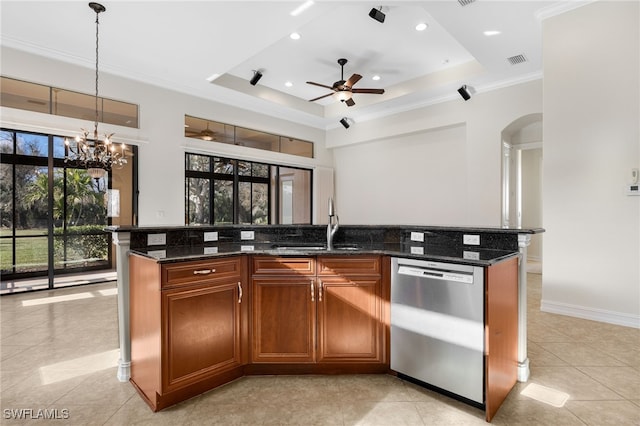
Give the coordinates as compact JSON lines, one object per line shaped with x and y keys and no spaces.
{"x":96,"y":156}
{"x":95,"y":129}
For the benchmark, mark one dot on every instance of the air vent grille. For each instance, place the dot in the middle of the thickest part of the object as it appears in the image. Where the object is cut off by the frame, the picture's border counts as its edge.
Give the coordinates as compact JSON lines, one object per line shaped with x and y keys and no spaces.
{"x":517,"y":59}
{"x":466,"y":2}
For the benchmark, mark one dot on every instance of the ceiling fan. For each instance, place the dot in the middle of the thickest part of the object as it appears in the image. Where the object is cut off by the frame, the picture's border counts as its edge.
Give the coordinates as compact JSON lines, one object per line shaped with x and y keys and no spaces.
{"x":344,"y":89}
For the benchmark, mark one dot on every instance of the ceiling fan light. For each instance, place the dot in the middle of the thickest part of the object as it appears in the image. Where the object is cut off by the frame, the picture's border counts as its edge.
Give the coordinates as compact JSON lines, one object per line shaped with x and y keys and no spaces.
{"x":343,"y":95}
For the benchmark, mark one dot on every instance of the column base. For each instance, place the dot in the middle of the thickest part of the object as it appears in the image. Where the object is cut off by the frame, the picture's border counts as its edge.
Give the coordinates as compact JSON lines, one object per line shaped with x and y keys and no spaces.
{"x":523,"y":370}
{"x":124,"y":371}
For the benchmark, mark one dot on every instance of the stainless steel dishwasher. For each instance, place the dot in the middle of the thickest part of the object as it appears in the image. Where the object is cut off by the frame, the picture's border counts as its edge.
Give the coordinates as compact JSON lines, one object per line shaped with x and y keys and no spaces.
{"x":437,"y":325}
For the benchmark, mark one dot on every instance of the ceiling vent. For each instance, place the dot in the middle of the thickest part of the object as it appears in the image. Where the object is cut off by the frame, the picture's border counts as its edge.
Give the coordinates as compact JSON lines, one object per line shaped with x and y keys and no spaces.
{"x":517,"y":59}
{"x":466,"y":2}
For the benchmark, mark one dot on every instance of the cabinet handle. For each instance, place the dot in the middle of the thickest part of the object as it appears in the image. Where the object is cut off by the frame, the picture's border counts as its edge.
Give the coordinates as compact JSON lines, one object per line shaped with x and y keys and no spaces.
{"x":312,"y":292}
{"x":203,"y":271}
{"x":320,"y":286}
{"x":239,"y":292}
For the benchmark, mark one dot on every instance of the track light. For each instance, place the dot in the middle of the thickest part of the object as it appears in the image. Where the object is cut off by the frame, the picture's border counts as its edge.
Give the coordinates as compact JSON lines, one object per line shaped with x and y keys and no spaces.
{"x":464,"y":92}
{"x":257,"y":75}
{"x":377,"y":14}
{"x":345,"y":122}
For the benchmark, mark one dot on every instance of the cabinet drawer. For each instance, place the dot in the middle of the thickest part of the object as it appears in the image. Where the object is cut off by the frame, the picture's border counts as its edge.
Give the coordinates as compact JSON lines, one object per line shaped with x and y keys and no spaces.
{"x":185,"y":273}
{"x":272,"y":265}
{"x":348,"y":265}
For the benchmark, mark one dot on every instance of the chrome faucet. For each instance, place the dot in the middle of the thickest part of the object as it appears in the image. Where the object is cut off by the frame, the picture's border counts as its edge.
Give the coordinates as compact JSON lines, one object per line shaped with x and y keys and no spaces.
{"x":331,"y":227}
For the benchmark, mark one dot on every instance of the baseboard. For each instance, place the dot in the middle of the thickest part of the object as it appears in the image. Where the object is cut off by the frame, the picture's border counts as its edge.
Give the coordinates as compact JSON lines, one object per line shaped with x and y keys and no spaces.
{"x":594,"y":314}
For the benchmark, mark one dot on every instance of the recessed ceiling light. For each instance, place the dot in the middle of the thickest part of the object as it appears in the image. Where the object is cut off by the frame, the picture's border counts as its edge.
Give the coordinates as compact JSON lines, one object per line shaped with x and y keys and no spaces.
{"x":375,"y":77}
{"x":294,"y":36}
{"x":490,"y":33}
{"x":304,"y":6}
{"x":288,"y":84}
{"x":421,"y":26}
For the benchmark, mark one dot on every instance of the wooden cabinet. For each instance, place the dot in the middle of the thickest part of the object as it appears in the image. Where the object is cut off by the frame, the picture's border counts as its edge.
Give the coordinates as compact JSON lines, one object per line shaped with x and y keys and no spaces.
{"x":284,"y":310}
{"x":350,"y":317}
{"x":332,"y":313}
{"x":188,"y":331}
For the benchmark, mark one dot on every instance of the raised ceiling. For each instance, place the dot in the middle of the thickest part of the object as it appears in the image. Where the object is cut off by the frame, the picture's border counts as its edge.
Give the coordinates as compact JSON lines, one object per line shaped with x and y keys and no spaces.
{"x":181,"y":45}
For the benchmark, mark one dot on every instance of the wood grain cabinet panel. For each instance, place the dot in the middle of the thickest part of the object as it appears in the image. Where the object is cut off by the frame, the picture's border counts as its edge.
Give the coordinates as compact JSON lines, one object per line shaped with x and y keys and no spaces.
{"x":349,"y":318}
{"x":284,"y":320}
{"x":189,"y":330}
{"x":201,"y":333}
{"x":501,"y":335}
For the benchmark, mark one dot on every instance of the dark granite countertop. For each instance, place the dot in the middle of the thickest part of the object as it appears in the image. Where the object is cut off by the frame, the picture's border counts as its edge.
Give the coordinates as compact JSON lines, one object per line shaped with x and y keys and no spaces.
{"x":450,"y":254}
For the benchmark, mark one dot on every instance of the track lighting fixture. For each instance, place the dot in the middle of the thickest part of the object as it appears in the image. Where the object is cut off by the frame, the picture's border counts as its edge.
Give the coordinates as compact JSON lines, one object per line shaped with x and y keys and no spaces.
{"x":464,"y":92}
{"x":345,"y":122}
{"x":257,"y":75}
{"x":377,"y":14}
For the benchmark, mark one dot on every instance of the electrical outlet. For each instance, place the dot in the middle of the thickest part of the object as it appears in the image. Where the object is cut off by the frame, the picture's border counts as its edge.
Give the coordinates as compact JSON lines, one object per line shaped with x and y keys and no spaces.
{"x":247,"y":248}
{"x":158,"y":254}
{"x":472,"y":240}
{"x":247,"y":235}
{"x":156,"y":239}
{"x":417,"y":236}
{"x":211,"y":236}
{"x":210,"y":250}
{"x":473,"y":255}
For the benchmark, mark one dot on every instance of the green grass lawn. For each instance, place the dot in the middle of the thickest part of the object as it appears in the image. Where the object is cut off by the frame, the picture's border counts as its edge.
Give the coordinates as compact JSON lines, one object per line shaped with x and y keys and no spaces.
{"x":31,"y":253}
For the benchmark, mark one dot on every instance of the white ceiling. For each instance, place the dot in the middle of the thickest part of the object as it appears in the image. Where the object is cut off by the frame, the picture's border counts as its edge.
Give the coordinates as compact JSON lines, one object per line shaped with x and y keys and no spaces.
{"x":179,"y":44}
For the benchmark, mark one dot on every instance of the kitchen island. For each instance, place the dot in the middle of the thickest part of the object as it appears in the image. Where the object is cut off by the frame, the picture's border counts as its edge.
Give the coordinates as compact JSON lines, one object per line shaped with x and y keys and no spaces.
{"x":363,"y":252}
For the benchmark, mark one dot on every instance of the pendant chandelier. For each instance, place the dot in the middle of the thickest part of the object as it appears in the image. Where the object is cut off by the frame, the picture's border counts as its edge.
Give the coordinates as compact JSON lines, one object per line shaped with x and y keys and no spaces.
{"x":97,"y":156}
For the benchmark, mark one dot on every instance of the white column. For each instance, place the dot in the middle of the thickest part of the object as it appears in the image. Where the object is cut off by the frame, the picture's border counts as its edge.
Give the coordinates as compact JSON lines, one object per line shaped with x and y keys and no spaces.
{"x":122,"y":241}
{"x":523,"y":361}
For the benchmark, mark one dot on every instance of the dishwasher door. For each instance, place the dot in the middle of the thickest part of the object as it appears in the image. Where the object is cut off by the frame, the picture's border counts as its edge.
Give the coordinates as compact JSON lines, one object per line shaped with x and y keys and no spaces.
{"x":437,"y":325}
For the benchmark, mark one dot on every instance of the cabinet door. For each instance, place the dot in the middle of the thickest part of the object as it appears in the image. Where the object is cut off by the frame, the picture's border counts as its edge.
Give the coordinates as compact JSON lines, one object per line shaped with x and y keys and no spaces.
{"x":201,"y":332}
{"x":349,"y":319}
{"x":284,"y":320}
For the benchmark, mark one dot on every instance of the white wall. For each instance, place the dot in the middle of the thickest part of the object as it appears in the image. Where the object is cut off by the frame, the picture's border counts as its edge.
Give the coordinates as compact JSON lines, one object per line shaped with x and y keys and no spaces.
{"x":437,"y":165}
{"x":531,"y":173}
{"x":160,"y":137}
{"x":591,"y":142}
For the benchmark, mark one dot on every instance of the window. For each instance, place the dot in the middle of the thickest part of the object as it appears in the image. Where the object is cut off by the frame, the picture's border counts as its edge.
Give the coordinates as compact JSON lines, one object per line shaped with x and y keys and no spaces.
{"x":207,"y":130}
{"x":52,"y":100}
{"x":229,"y":191}
{"x":52,"y":216}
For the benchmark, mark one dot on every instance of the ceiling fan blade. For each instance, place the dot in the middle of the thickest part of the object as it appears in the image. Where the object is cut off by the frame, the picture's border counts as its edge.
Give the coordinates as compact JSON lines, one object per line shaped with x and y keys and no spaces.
{"x":320,"y":97}
{"x":373,"y":91}
{"x":353,"y":80}
{"x":321,"y":85}
{"x":350,"y":102}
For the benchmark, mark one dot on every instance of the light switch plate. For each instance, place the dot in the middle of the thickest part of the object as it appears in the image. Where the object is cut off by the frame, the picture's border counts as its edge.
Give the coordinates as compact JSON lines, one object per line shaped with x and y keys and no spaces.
{"x":417,"y":236}
{"x":158,"y":254}
{"x":247,"y":235}
{"x":156,"y":239}
{"x":472,"y":240}
{"x":211,"y":236}
{"x":247,"y":248}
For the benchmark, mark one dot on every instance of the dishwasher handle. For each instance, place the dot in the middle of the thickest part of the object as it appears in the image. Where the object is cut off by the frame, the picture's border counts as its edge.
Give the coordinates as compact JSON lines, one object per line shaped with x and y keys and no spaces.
{"x":436,"y":274}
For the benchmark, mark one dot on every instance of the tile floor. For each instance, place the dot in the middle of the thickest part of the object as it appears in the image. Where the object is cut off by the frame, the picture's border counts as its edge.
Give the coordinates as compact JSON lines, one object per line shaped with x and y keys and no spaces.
{"x":59,"y":349}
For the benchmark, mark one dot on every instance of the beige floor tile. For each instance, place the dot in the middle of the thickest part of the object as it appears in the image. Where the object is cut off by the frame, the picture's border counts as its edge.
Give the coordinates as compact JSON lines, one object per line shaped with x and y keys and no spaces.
{"x":86,"y":415}
{"x":533,"y":413}
{"x":580,"y":354}
{"x":624,"y":381}
{"x":30,"y":392}
{"x":136,"y":412}
{"x":541,"y":357}
{"x":603,"y":413}
{"x":627,"y":353}
{"x":99,"y":387}
{"x":449,"y":412}
{"x":571,"y":380}
{"x":370,"y":413}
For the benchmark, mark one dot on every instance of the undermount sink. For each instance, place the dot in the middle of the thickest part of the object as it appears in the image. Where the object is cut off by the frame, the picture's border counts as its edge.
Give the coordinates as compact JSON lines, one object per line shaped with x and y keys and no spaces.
{"x":314,"y":247}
